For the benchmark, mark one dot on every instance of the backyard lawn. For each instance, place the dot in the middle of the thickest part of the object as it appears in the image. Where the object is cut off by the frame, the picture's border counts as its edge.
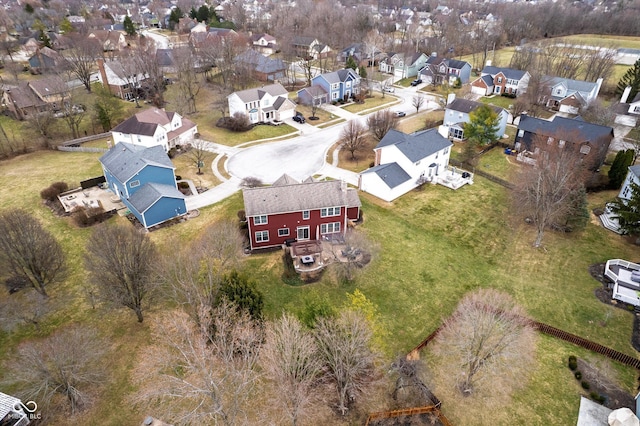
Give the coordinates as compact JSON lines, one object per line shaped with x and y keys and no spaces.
{"x":435,"y":245}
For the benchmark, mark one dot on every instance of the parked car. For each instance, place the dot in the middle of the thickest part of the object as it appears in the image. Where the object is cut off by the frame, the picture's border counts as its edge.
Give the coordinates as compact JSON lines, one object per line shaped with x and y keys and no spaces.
{"x":416,"y":82}
{"x":389,"y":89}
{"x":299,"y":118}
{"x":400,"y":113}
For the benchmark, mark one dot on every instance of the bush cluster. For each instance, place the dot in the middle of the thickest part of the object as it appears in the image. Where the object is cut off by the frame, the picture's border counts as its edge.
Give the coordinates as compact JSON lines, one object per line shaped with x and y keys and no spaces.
{"x":84,"y":217}
{"x":52,"y":192}
{"x":239,"y":122}
{"x":573,"y":363}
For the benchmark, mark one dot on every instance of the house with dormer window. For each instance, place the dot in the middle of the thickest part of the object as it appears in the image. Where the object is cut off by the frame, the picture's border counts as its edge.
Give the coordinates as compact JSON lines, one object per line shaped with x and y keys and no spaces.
{"x":439,"y":70}
{"x":342,"y":84}
{"x":262,"y":104}
{"x":289,"y":211}
{"x":153,"y":127}
{"x":567,"y":95}
{"x":498,"y":81}
{"x":403,"y":66}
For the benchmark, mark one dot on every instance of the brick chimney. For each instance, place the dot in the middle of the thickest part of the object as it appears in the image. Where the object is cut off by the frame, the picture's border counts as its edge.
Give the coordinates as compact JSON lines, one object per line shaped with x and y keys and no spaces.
{"x":103,"y":74}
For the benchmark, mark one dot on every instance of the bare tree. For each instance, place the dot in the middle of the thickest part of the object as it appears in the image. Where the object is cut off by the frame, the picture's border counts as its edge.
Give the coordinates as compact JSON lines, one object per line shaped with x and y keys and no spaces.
{"x":290,"y":360}
{"x":198,"y":154}
{"x":380,"y":123}
{"x":144,"y":54}
{"x":356,"y":252}
{"x":201,"y":373}
{"x":121,"y":262}
{"x":353,"y":137}
{"x":81,"y":58}
{"x":410,"y":385}
{"x":544,"y":192}
{"x":344,"y":348}
{"x":28,"y":250}
{"x":28,"y":308}
{"x":42,"y":123}
{"x":65,"y":363}
{"x":417,"y":101}
{"x":487,"y":338}
{"x":597,"y":113}
{"x":188,"y":82}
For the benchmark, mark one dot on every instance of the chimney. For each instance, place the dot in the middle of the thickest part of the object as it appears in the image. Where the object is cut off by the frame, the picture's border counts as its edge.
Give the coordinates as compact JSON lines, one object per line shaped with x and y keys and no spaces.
{"x":598,"y":86}
{"x":343,"y":186}
{"x":488,"y":62}
{"x":625,"y":95}
{"x":450,"y":98}
{"x":103,"y":73}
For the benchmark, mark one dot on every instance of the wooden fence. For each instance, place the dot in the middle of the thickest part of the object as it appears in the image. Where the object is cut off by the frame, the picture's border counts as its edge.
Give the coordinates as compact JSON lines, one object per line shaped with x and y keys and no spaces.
{"x":80,"y":149}
{"x":80,"y":141}
{"x":381,"y":415}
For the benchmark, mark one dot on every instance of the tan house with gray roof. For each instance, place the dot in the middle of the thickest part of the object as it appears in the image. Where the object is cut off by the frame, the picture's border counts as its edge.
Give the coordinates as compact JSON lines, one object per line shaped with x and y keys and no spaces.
{"x":263,"y":104}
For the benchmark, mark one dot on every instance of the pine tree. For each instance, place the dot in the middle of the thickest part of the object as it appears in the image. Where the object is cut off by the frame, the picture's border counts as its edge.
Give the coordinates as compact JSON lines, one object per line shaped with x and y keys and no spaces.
{"x":351,"y":63}
{"x":630,"y":78}
{"x":628,"y":211}
{"x":202,"y":15}
{"x":363,"y":72}
{"x":129,"y":28}
{"x":578,"y":214}
{"x":174,"y":18}
{"x":618,"y":170}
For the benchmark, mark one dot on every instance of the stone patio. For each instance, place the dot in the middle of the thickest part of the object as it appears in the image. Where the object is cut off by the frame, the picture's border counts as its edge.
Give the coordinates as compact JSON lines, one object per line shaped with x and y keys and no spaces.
{"x":92,"y":197}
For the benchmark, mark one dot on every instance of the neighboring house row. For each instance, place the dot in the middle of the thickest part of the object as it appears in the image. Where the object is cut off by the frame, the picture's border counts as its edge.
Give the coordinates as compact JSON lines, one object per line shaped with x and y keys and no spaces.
{"x":46,"y":60}
{"x":498,"y":81}
{"x":310,"y":48}
{"x":153,"y":127}
{"x":263,"y":104}
{"x":401,"y":65}
{"x":121,"y":78}
{"x":261,"y":67}
{"x":457,"y":112}
{"x":566,"y":95}
{"x":289,"y":211}
{"x":363,"y":55}
{"x":405,"y":161}
{"x":144,"y":180}
{"x":439,"y":70}
{"x":536,"y":135}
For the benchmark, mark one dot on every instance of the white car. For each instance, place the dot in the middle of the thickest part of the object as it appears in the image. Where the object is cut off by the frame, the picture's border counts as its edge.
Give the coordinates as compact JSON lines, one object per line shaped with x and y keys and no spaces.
{"x":389,"y":89}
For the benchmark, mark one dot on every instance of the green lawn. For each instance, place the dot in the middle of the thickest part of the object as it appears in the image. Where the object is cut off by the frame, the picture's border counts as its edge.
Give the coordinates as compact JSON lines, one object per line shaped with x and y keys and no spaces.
{"x":436,"y":245}
{"x":499,"y":101}
{"x":498,"y":164}
{"x":375,"y":101}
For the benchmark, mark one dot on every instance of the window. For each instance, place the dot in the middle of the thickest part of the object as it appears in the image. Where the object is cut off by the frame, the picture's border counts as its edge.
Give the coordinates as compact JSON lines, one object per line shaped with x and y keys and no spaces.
{"x":334,"y":95}
{"x":283,"y":232}
{"x":520,"y":133}
{"x":497,"y":89}
{"x":561,"y":143}
{"x":456,"y":133}
{"x":549,"y":140}
{"x":558,"y":91}
{"x":330,"y":228}
{"x":305,"y":215}
{"x":636,"y":108}
{"x":262,"y":236}
{"x":334,"y":86}
{"x":302,"y":232}
{"x":499,"y":79}
{"x":260,"y":220}
{"x":330,"y":211}
{"x":134,"y":183}
{"x":585,"y":149}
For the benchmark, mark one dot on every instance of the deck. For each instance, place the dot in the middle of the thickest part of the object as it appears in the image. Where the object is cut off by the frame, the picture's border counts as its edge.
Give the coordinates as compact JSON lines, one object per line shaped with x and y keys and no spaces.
{"x":624,"y":288}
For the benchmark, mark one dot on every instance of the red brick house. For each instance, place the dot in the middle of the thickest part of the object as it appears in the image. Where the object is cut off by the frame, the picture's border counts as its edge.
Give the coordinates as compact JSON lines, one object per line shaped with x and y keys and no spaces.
{"x":291,"y":211}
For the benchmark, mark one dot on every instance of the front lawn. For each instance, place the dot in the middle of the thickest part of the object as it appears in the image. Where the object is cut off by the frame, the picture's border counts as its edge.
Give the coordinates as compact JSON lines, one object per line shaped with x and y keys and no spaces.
{"x":371,"y":102}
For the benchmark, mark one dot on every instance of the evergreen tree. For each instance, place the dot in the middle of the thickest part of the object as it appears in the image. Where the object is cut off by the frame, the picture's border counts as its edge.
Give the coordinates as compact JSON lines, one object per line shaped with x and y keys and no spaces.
{"x":618,"y":170}
{"x":578,"y":215}
{"x":482,"y":128}
{"x":628,"y":211}
{"x":630,"y":78}
{"x":203,"y":14}
{"x":44,"y":39}
{"x":129,"y":28}
{"x":174,"y":18}
{"x":193,"y":13}
{"x":65,"y":26}
{"x":363,"y":72}
{"x":351,"y":63}
{"x":241,"y":290}
{"x":28,"y":8}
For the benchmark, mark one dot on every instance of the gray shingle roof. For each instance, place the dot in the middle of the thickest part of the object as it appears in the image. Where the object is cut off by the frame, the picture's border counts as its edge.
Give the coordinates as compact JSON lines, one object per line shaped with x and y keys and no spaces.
{"x":488,"y":80}
{"x":635,"y":170}
{"x":260,"y":62}
{"x":339,"y":76}
{"x":415,"y":146}
{"x":563,"y":127}
{"x":467,"y":106}
{"x":508,"y":72}
{"x":297,"y":197}
{"x":258,"y":93}
{"x":124,"y":160}
{"x":145,"y":122}
{"x":571,"y":85}
{"x":454,"y":63}
{"x":150,"y":193}
{"x":391,"y":174}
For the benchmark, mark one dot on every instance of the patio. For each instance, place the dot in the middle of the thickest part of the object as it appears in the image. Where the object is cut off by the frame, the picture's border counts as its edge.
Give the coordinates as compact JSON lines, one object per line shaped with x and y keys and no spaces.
{"x":92,"y":197}
{"x":313,"y":255}
{"x":454,"y":178}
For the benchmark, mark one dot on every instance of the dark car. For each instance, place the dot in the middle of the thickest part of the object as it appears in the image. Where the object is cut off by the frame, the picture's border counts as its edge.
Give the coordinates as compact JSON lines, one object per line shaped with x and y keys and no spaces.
{"x":416,"y":82}
{"x":299,"y":118}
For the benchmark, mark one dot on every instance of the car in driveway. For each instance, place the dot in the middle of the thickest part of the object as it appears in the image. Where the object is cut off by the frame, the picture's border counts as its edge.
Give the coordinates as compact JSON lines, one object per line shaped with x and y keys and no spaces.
{"x":416,"y":82}
{"x":299,"y":118}
{"x":399,"y":113}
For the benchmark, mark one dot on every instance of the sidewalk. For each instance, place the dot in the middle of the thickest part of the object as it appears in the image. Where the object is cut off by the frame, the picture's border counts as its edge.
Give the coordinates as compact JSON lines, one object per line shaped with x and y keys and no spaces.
{"x":213,"y":195}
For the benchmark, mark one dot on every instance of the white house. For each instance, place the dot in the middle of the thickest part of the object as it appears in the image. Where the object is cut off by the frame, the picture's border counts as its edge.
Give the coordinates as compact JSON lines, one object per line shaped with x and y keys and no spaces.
{"x":262,"y":104}
{"x":404,"y":161}
{"x":633,"y":175}
{"x":457,"y":112}
{"x":567,"y":95}
{"x":153,"y":127}
{"x":627,"y":112}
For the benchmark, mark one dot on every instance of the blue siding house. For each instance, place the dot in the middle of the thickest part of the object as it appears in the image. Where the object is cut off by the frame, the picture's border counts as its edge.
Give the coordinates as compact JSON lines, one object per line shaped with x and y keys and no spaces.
{"x":144,"y":180}
{"x":341,"y":84}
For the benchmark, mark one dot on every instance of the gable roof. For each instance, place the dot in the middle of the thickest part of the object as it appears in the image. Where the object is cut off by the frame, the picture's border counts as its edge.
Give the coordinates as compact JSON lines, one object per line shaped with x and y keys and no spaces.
{"x":260,"y":62}
{"x":51,"y":85}
{"x":571,"y":85}
{"x":561,"y":126}
{"x":257,"y":93}
{"x":165,"y":57}
{"x":124,"y":160}
{"x":23,"y":97}
{"x":467,"y":106}
{"x":635,"y":170}
{"x":285,"y":179}
{"x":391,"y":174}
{"x":303,"y":41}
{"x":145,"y":122}
{"x":508,"y":72}
{"x":454,"y":63}
{"x":415,"y":146}
{"x":150,"y":193}
{"x":339,"y":76}
{"x":298,"y":197}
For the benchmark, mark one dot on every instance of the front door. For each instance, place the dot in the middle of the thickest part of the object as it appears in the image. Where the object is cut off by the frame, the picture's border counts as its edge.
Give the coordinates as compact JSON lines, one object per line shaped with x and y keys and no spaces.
{"x":303,"y":232}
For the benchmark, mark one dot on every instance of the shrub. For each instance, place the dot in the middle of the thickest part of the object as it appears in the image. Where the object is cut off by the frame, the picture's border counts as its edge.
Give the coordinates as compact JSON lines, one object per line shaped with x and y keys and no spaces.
{"x":239,"y":122}
{"x":597,"y":397}
{"x":578,"y":375}
{"x":84,"y":217}
{"x":52,"y":192}
{"x":573,"y":362}
{"x":183,"y":185}
{"x":372,"y":164}
{"x":585,"y":385}
{"x":598,"y":211}
{"x":172,"y":152}
{"x":178,"y":177}
{"x":242,"y":216}
{"x":16,"y":283}
{"x":251,"y":182}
